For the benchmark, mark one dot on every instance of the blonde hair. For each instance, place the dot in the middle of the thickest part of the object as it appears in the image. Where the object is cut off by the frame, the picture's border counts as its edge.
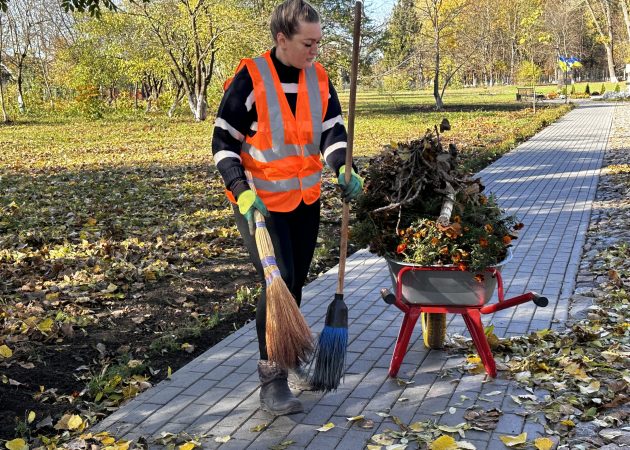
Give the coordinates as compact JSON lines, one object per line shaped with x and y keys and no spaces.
{"x":286,"y":17}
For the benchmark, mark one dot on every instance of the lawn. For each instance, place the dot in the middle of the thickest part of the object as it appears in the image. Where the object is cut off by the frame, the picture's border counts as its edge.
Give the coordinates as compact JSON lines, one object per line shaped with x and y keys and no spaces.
{"x":119,"y":260}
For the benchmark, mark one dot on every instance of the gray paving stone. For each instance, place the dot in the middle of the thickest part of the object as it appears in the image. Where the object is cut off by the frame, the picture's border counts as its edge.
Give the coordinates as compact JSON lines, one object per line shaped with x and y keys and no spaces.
{"x":219,"y":390}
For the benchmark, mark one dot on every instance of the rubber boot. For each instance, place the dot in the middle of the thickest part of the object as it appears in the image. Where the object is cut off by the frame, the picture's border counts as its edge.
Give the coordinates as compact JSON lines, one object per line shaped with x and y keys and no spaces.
{"x":275,"y":395}
{"x":298,"y":379}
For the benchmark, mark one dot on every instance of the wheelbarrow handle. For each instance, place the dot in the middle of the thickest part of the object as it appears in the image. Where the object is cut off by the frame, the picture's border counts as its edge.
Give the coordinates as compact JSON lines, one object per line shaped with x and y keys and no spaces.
{"x":539,"y":300}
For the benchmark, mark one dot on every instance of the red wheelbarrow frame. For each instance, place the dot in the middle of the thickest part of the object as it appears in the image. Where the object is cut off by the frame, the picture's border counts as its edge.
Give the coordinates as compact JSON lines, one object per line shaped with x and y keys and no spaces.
{"x":471,"y":314}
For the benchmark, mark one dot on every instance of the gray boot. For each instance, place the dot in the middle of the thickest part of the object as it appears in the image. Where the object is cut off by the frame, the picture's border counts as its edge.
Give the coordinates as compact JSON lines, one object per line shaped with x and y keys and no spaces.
{"x":275,"y":395}
{"x":298,"y":379}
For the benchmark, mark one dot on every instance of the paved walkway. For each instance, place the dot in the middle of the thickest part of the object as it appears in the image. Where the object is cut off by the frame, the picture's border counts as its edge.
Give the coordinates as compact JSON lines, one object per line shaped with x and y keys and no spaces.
{"x":549,"y":182}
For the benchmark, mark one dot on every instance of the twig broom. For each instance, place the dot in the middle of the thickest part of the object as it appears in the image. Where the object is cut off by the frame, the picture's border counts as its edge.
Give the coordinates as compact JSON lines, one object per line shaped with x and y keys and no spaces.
{"x":288,"y":336}
{"x":330,"y":353}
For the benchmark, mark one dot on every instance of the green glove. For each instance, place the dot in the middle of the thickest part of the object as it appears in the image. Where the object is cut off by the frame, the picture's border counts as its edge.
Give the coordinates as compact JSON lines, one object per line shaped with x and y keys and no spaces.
{"x":353,"y":189}
{"x":248,"y":202}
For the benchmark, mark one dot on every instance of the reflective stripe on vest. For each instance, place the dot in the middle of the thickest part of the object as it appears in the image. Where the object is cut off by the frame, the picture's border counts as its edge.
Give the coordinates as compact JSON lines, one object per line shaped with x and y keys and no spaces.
{"x":283,"y":156}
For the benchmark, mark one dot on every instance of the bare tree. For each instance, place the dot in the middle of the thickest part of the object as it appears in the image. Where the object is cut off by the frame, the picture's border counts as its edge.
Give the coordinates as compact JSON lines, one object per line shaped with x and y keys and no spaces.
{"x":4,"y":74}
{"x":191,"y":49}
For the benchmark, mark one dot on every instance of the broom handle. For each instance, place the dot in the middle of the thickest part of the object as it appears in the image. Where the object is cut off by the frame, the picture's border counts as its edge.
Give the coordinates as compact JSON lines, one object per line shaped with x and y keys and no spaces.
{"x":345,"y":216}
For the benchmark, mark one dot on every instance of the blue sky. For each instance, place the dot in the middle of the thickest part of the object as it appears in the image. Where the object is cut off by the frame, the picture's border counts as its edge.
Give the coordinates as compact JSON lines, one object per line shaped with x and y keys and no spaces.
{"x":379,"y":10}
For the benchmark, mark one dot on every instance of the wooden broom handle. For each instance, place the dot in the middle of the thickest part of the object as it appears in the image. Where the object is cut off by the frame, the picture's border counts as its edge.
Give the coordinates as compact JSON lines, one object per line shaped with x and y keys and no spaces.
{"x":345,"y":216}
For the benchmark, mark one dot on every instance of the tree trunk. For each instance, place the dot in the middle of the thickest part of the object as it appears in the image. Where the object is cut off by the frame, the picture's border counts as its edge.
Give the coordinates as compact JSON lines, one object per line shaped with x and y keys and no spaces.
{"x":626,"y":18}
{"x":436,"y":76}
{"x":5,"y":116}
{"x":606,"y":37}
{"x":135,"y":95}
{"x":611,"y":63}
{"x":20,"y":95}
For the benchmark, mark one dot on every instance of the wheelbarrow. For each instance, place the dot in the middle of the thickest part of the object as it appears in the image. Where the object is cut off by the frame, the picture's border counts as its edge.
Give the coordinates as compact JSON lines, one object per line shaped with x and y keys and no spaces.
{"x":429,"y":292}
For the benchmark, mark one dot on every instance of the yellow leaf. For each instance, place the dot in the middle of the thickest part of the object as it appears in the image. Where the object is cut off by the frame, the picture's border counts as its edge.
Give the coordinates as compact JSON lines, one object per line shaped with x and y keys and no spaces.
{"x":443,"y":443}
{"x":381,"y":439}
{"x":51,"y":296}
{"x":374,"y":447}
{"x":223,"y":439}
{"x":122,"y":445}
{"x":5,"y":352}
{"x":45,"y":325}
{"x":511,"y":441}
{"x":74,"y":422}
{"x":90,"y":222}
{"x":417,"y":426}
{"x":354,"y":418}
{"x":31,"y":416}
{"x":568,"y":423}
{"x":187,"y":446}
{"x":328,"y":426}
{"x":543,"y":443}
{"x":169,"y":372}
{"x":108,"y":440}
{"x":16,"y":444}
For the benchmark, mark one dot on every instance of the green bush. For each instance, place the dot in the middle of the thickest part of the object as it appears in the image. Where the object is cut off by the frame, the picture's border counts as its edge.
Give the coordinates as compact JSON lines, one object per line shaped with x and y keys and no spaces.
{"x":617,"y":88}
{"x":587,"y":89}
{"x":572,"y":89}
{"x":602,"y":89}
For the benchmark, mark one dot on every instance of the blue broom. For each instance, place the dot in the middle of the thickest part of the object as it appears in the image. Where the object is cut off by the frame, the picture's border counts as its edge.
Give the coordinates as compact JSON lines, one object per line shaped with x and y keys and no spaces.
{"x":330,"y":353}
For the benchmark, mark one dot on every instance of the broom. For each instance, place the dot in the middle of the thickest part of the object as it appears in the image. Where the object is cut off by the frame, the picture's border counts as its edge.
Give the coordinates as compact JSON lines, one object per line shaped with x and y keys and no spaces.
{"x":288,"y":336}
{"x":330,"y":353}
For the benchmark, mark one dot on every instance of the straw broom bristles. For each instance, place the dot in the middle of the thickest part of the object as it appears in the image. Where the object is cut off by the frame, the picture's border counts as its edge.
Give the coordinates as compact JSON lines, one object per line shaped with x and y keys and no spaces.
{"x":288,"y":336}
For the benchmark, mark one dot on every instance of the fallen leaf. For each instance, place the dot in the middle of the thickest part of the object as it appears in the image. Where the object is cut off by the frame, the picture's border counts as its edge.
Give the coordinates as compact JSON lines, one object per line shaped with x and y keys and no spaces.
{"x":188,"y":446}
{"x":443,"y":443}
{"x":328,"y":426}
{"x":355,"y":418}
{"x":511,"y":441}
{"x":543,"y":443}
{"x":16,"y":444}
{"x":31,"y":417}
{"x":381,"y":439}
{"x":257,"y":428}
{"x":222,"y":439}
{"x":5,"y":352}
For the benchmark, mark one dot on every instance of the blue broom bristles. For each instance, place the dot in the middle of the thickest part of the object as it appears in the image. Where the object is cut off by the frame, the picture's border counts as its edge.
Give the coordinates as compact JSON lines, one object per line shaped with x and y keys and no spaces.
{"x":330,"y":358}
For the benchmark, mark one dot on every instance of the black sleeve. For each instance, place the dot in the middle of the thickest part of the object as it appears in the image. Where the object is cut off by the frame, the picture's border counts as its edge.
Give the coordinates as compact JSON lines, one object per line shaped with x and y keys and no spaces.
{"x":334,"y":137}
{"x":235,"y":116}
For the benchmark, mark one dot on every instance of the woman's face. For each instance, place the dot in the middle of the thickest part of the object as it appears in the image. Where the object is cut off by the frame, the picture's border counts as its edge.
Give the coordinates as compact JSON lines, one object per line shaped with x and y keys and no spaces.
{"x":301,"y":49}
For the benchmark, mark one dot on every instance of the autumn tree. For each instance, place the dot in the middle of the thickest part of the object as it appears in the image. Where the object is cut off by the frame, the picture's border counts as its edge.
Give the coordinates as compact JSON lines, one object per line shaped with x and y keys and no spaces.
{"x":601,"y":13}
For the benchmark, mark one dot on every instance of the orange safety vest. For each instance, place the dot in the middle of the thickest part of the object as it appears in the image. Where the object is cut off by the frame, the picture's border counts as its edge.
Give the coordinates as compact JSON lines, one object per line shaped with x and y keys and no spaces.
{"x":283,"y":155}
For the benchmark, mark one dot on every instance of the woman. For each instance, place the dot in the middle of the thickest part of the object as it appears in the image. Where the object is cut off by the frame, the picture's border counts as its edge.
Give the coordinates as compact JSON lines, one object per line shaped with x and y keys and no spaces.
{"x":278,"y":116}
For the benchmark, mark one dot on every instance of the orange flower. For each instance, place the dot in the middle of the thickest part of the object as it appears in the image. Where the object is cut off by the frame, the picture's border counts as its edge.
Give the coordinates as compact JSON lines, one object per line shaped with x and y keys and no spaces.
{"x":483,"y":199}
{"x":462,"y":266}
{"x":483,"y":242}
{"x":456,"y":257}
{"x":506,"y":240}
{"x":488,"y":228}
{"x":401,"y":232}
{"x":454,"y":230}
{"x":479,"y":278}
{"x":457,"y":219}
{"x":444,"y":250}
{"x":401,"y":248}
{"x":435,"y":241}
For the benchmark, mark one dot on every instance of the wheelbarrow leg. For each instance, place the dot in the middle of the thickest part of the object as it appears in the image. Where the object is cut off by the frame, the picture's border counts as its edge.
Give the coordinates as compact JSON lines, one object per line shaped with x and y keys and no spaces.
{"x":406,"y":329}
{"x":473,"y":321}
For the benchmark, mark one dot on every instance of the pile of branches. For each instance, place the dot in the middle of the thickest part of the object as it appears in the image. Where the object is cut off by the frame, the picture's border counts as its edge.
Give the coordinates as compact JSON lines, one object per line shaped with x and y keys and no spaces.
{"x":413,"y":179}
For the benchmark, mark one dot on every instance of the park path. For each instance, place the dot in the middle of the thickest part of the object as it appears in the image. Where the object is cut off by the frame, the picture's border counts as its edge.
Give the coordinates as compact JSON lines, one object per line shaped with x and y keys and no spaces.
{"x":549,"y":181}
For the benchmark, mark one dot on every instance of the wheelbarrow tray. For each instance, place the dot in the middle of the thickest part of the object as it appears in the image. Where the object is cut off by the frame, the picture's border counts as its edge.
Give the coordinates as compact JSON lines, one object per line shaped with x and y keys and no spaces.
{"x":445,"y":285}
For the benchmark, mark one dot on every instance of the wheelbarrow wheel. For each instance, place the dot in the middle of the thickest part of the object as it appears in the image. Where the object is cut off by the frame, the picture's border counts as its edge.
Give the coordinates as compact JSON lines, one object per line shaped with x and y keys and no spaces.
{"x":433,"y":330}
